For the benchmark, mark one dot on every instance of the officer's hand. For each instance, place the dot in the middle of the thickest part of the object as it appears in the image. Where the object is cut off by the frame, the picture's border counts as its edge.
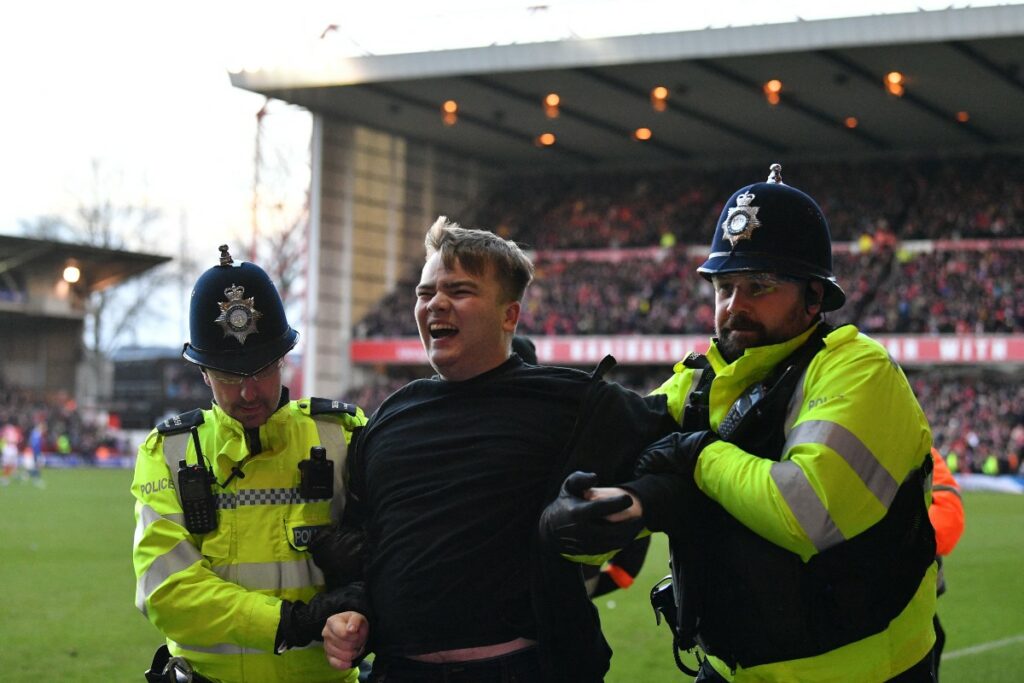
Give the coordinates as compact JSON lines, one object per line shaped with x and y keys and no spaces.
{"x":340,"y":552}
{"x":345,"y":639}
{"x":302,"y":623}
{"x":573,"y":525}
{"x":676,"y":453}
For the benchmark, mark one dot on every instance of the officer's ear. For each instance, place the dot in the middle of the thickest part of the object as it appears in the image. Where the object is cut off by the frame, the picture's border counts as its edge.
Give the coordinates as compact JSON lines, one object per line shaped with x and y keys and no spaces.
{"x":206,"y":378}
{"x":813,"y":294}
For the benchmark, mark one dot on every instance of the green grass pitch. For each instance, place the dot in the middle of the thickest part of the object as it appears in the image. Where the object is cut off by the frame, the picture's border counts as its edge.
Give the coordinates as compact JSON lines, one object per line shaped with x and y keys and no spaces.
{"x":67,"y":611}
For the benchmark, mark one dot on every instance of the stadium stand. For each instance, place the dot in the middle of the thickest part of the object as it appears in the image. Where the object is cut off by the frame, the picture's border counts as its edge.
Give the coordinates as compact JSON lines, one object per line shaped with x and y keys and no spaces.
{"x":928,"y":247}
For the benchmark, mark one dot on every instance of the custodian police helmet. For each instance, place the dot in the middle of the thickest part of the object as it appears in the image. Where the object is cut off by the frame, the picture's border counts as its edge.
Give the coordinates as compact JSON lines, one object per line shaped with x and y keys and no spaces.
{"x":772,"y":227}
{"x":236,"y":319}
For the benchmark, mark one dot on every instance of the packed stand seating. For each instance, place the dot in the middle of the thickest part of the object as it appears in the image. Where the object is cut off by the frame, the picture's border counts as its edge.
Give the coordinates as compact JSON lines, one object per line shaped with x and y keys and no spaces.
{"x":921,"y":247}
{"x":874,"y":206}
{"x":888,"y":291}
{"x":914,"y":199}
{"x":601,"y":211}
{"x":646,"y":294}
{"x":947,"y":292}
{"x":975,"y":416}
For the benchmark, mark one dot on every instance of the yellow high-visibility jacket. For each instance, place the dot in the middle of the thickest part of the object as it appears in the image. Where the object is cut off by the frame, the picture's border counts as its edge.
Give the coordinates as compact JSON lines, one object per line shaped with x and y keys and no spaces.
{"x":217,"y":596}
{"x":854,"y":432}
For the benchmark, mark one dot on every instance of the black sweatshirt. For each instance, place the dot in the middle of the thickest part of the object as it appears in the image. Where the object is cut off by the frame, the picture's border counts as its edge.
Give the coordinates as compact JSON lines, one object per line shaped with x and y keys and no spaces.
{"x":449,"y":479}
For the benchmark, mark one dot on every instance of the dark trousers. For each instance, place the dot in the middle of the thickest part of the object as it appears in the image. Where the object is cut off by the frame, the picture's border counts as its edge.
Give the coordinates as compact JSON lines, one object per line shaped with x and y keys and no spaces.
{"x":518,"y":667}
{"x":922,"y":672}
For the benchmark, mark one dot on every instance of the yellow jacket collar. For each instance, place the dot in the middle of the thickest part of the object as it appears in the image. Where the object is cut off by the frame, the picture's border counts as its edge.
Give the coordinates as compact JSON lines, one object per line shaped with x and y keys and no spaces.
{"x":758,"y":360}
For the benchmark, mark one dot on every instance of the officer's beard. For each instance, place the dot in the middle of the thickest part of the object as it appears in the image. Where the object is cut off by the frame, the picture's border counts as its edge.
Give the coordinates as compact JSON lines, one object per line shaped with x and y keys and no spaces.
{"x":740,"y":333}
{"x":732,"y":345}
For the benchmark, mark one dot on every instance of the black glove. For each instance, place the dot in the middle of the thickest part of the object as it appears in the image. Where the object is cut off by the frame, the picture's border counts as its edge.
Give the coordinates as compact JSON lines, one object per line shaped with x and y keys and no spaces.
{"x":574,"y":526}
{"x":301,"y":624}
{"x":676,"y":453}
{"x":340,"y":552}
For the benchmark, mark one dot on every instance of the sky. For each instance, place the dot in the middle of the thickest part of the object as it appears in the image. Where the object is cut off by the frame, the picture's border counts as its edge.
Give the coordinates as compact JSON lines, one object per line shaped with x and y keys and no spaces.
{"x":141,"y":89}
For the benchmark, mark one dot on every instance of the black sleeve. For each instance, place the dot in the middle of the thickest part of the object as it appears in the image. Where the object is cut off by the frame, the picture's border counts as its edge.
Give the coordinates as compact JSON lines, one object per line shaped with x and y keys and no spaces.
{"x":624,"y":423}
{"x":355,"y":480}
{"x":664,"y":498}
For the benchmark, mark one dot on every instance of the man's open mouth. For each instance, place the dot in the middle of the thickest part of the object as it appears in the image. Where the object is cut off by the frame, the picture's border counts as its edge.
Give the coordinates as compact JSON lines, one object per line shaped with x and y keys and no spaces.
{"x":441,"y":330}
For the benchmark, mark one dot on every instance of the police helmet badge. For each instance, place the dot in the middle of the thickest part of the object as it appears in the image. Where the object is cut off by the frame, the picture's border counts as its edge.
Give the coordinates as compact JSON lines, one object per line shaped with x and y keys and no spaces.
{"x":237,"y":315}
{"x":742,"y":219}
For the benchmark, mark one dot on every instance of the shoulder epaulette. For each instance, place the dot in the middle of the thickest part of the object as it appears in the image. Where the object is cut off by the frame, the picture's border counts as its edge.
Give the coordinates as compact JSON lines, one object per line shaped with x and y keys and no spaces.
{"x":696,"y":361}
{"x":326,"y":406}
{"x":181,"y":423}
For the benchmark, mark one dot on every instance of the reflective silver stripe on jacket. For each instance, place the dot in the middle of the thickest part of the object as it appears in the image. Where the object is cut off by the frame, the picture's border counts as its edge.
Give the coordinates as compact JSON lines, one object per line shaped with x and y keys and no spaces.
{"x":180,"y":557}
{"x":175,"y":447}
{"x":147,"y":515}
{"x":798,"y":493}
{"x":949,"y":489}
{"x":232,"y":649}
{"x":161,"y":568}
{"x":332,"y":437}
{"x":223,"y":649}
{"x":272,"y":575}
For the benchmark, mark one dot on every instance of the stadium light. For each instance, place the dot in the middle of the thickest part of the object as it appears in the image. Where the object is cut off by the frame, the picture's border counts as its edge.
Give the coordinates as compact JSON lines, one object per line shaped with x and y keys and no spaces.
{"x":72,"y":273}
{"x":551,"y":102}
{"x":545,"y":139}
{"x":772,"y":89}
{"x":450,"y":112}
{"x":851,"y":122}
{"x":963,"y":116}
{"x":642,"y":134}
{"x":659,"y":98}
{"x":894,"y":83}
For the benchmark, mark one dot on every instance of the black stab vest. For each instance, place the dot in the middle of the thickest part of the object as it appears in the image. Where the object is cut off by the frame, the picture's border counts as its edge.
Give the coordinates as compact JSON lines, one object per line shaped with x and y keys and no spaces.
{"x":748,"y":601}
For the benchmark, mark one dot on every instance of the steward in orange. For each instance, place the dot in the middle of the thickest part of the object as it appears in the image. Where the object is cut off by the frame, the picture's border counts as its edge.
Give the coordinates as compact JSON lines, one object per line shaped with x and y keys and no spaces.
{"x":947,"y":516}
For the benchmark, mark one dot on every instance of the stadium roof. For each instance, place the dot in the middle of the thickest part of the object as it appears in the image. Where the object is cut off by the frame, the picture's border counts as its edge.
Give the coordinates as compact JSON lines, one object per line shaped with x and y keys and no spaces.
{"x":101,"y":268}
{"x":954,"y":60}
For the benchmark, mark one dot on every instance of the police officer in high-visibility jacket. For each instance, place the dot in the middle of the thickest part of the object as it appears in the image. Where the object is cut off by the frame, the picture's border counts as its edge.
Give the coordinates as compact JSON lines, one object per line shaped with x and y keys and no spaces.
{"x":228,"y":500}
{"x":795,"y":495}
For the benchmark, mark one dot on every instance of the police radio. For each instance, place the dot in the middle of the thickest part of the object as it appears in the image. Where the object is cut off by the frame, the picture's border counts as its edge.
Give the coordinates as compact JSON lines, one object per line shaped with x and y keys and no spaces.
{"x":316,"y":475}
{"x":195,"y":490}
{"x":197,"y":500}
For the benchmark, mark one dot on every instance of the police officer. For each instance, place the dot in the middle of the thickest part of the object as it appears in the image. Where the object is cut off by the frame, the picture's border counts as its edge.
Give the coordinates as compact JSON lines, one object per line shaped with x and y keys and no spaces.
{"x":795,"y":494}
{"x":228,"y":499}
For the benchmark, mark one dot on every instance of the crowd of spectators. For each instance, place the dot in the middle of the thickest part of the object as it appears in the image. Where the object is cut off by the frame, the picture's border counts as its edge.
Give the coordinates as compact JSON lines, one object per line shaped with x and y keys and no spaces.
{"x":975,"y":416}
{"x":970,"y":291}
{"x":656,"y":292}
{"x":922,"y":247}
{"x":50,"y":426}
{"x":954,"y":198}
{"x":655,"y":225}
